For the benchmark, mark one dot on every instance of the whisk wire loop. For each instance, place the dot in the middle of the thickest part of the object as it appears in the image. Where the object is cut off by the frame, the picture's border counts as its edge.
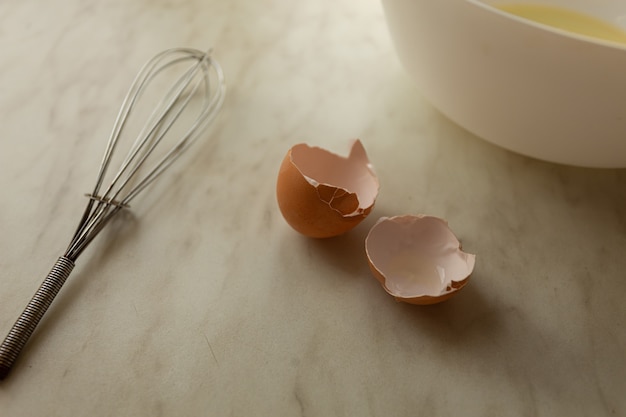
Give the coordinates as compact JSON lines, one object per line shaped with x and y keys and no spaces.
{"x":101,"y":208}
{"x":155,"y":134}
{"x":153,"y":131}
{"x":203,"y":78}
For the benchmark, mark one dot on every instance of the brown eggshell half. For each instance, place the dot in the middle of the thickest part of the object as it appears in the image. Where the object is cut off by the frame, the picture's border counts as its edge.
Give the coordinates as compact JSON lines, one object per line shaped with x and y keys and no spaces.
{"x":321,"y":194}
{"x":417,"y":259}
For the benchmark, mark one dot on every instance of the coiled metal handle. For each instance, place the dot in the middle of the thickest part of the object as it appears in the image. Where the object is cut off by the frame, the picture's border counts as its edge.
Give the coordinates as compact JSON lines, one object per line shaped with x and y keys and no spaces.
{"x":32,"y":314}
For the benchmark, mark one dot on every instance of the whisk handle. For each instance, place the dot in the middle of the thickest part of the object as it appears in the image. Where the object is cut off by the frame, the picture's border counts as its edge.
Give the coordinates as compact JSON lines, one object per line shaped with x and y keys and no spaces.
{"x":32,"y":314}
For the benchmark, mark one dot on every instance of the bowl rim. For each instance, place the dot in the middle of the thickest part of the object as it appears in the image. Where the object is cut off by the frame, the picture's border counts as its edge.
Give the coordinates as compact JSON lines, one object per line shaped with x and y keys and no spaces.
{"x":550,"y":29}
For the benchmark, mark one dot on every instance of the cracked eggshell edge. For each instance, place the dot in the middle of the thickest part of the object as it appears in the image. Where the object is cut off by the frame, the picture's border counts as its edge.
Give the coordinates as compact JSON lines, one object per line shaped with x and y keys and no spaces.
{"x":424,"y":299}
{"x":304,"y":207}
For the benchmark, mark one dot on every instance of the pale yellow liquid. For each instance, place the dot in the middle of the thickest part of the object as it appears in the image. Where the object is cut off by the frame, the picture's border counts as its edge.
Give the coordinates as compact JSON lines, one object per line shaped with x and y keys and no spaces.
{"x":568,"y":20}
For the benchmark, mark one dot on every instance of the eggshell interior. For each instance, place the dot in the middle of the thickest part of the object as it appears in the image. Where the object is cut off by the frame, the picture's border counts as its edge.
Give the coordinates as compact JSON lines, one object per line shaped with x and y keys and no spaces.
{"x":321,"y":194}
{"x":335,"y":176}
{"x":417,"y":256}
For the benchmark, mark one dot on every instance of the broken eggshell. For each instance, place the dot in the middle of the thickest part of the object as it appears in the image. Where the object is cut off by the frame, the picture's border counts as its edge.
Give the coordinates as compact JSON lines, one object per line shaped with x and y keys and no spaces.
{"x":321,"y":194}
{"x":417,"y":259}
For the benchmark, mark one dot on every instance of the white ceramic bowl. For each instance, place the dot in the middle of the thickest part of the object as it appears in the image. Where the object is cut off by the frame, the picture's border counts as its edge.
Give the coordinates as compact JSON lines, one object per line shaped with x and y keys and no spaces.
{"x":524,"y":86}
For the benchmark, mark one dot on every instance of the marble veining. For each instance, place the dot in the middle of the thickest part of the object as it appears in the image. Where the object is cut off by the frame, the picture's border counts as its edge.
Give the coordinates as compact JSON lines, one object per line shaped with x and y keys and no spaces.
{"x":202,"y":301}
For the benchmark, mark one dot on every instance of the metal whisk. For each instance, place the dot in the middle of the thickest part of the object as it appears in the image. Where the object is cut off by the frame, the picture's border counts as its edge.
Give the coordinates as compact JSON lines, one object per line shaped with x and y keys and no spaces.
{"x":201,"y":81}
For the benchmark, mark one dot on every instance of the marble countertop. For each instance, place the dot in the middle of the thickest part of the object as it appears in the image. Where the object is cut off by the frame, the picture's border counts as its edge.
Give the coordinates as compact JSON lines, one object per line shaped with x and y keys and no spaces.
{"x":204,"y":301}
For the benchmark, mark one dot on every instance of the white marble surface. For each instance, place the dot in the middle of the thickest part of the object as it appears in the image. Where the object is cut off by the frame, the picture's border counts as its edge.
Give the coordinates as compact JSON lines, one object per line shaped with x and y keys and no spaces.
{"x":204,"y":302}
